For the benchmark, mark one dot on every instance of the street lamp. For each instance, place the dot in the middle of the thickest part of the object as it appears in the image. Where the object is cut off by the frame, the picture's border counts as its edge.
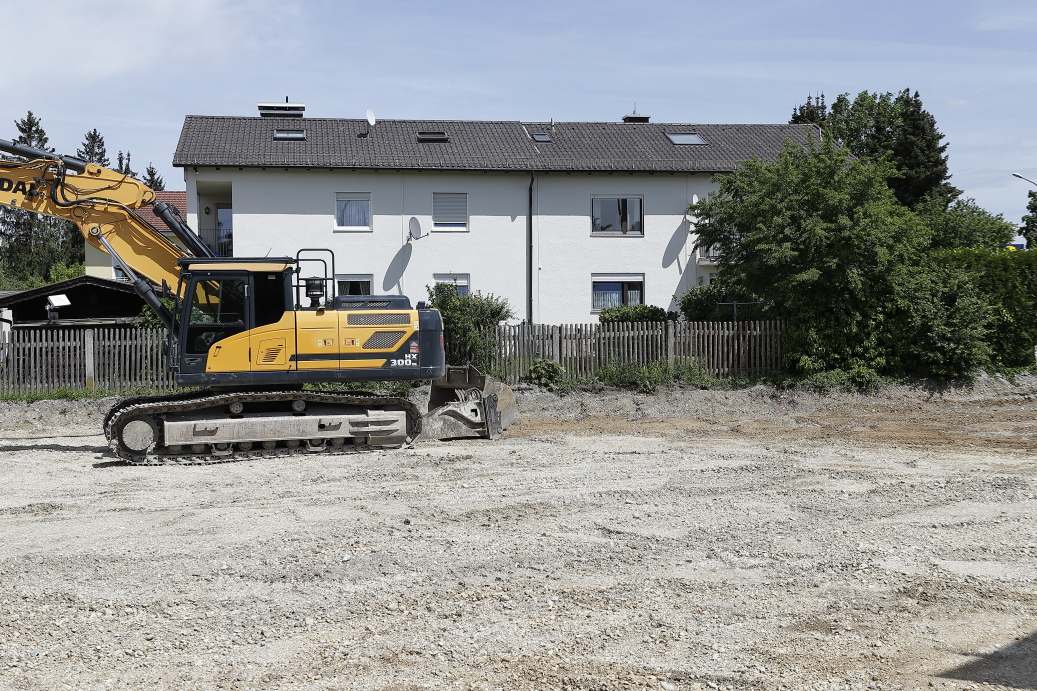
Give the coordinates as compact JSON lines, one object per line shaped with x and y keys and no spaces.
{"x":1017,"y":175}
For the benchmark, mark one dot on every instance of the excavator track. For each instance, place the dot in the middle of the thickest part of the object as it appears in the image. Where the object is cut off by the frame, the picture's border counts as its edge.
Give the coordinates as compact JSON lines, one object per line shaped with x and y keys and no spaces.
{"x":152,"y":411}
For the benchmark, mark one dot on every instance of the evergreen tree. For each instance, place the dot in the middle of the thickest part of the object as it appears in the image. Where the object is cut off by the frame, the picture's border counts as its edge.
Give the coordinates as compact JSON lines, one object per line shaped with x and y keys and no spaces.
{"x":31,"y":244}
{"x":153,"y":180}
{"x":1028,"y":228}
{"x":31,"y":133}
{"x":896,"y":127}
{"x":918,"y":154}
{"x":810,"y":113}
{"x":123,"y":165}
{"x":93,"y":150}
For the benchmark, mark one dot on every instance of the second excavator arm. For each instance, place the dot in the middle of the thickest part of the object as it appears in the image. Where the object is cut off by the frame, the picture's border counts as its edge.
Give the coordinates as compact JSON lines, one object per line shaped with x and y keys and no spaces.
{"x":102,"y":203}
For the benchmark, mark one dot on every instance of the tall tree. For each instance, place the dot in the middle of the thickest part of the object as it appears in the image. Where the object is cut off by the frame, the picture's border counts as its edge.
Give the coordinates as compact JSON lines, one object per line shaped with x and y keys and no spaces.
{"x":153,"y":180}
{"x":1028,"y":227}
{"x":93,"y":150}
{"x":31,"y":133}
{"x":30,"y":244}
{"x":896,"y":126}
{"x":123,"y":165}
{"x":810,"y":113}
{"x":918,"y":154}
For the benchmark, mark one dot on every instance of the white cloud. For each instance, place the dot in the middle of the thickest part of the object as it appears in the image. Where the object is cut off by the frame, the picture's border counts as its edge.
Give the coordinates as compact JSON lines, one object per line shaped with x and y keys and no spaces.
{"x":78,"y":44}
{"x":1015,"y":18}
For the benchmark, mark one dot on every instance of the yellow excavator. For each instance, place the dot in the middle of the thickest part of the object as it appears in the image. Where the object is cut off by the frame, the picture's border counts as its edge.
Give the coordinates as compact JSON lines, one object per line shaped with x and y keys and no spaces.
{"x":245,"y":335}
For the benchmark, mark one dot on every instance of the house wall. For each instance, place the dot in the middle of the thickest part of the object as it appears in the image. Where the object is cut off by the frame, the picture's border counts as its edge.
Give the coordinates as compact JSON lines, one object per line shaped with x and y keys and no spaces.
{"x":97,"y":263}
{"x":277,"y":212}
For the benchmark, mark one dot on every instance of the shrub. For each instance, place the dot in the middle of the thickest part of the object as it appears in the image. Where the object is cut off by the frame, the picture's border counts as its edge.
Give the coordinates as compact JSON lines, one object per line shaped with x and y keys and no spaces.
{"x":702,"y":303}
{"x":1007,"y":283}
{"x":468,"y":323}
{"x":635,"y":313}
{"x":547,"y":374}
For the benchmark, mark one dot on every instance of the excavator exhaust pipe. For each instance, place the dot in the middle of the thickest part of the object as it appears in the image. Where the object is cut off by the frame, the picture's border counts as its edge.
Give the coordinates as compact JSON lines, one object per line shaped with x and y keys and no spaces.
{"x":465,"y":403}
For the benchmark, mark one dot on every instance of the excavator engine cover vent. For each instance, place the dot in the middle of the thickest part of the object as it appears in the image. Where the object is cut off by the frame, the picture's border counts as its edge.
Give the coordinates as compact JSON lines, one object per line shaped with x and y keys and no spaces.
{"x":380,"y":340}
{"x":378,"y":319}
{"x":374,"y":304}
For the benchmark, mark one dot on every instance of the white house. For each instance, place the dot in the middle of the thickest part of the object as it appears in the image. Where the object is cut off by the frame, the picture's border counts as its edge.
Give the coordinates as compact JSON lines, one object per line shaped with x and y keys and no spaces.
{"x":562,"y":219}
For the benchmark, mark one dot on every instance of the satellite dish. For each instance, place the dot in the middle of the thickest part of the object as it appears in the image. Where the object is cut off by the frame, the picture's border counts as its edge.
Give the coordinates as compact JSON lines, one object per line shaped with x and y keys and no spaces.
{"x":415,"y":228}
{"x":370,"y":117}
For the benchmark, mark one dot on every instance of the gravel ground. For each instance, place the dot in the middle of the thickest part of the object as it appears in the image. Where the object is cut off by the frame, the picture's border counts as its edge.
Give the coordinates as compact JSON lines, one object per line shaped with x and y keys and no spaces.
{"x":688,"y":540}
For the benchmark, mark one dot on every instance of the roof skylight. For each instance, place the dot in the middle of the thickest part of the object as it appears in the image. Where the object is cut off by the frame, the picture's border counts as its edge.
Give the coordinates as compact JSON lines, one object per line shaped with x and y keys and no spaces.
{"x":685,"y":138}
{"x":541,"y":137}
{"x":290,"y":134}
{"x":433,"y":137}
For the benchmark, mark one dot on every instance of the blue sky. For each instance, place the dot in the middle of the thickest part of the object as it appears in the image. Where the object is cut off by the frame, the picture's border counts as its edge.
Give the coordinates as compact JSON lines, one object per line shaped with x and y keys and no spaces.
{"x":135,"y":69}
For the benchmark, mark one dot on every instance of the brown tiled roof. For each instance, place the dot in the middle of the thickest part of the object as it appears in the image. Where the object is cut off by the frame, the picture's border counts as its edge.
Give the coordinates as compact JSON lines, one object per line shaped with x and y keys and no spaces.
{"x":177,"y":199}
{"x":477,"y":145}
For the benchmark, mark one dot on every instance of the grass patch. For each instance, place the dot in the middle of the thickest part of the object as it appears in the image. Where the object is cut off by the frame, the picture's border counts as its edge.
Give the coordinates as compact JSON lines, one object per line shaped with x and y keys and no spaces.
{"x":67,"y":394}
{"x":396,"y":388}
{"x":685,"y":371}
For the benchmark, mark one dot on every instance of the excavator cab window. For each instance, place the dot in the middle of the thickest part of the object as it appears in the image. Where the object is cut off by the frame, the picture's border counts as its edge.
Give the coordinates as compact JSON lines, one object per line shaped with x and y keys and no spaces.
{"x":218,"y":310}
{"x":272,"y":295}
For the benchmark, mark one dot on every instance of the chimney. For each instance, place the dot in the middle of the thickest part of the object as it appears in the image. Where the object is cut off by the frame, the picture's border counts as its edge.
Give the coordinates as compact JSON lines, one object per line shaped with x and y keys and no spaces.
{"x":634,"y":117}
{"x":282,"y":110}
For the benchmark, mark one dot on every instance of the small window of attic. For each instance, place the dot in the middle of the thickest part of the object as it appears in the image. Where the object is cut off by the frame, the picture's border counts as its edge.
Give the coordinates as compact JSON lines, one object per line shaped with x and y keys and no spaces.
{"x":290,"y":135}
{"x":685,"y":138}
{"x":433,"y":137}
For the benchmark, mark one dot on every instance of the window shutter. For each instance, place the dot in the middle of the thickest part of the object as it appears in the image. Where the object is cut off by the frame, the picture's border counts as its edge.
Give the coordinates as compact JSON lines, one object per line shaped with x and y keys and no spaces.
{"x":449,"y":208}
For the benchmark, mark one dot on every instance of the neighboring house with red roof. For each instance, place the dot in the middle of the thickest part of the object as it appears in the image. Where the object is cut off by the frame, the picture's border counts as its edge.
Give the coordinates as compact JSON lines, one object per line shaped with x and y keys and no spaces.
{"x":100,"y":264}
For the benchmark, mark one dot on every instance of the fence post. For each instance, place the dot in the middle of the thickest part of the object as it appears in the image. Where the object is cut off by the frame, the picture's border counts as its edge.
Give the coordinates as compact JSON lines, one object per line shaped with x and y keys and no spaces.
{"x":88,"y":348}
{"x":558,"y":343}
{"x":670,"y":354}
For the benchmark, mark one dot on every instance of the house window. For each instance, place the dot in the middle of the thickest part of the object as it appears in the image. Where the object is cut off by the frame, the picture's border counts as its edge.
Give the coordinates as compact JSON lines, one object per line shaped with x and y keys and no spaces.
{"x":615,"y":291}
{"x":460,"y":281}
{"x":617,"y":215}
{"x":449,"y":210}
{"x":354,"y":284}
{"x":353,"y":211}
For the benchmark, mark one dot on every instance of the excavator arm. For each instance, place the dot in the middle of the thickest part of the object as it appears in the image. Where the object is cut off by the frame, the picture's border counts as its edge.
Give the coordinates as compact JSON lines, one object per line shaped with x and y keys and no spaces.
{"x":102,"y":203}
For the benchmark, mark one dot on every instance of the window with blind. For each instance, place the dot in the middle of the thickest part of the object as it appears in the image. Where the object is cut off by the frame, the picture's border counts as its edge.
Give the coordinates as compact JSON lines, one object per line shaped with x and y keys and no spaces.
{"x":617,"y":290}
{"x":450,"y":211}
{"x":353,"y":211}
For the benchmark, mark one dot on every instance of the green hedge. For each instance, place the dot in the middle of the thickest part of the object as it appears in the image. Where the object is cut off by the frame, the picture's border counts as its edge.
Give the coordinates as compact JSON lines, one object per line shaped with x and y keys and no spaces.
{"x":1007,"y":282}
{"x":635,"y":313}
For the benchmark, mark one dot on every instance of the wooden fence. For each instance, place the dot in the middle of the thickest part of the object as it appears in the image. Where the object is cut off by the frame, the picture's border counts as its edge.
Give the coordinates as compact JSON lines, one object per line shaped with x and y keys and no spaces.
{"x":724,"y":348}
{"x":120,"y":358}
{"x":111,"y":358}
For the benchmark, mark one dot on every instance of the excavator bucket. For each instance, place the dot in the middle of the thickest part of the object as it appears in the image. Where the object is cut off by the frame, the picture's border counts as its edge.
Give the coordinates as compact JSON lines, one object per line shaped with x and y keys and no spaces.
{"x":465,"y":403}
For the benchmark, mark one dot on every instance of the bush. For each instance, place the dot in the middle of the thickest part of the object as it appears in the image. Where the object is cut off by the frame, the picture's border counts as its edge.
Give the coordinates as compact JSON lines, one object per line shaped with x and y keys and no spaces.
{"x":547,"y":374}
{"x":1007,"y":284}
{"x":468,"y":323}
{"x":647,"y":378}
{"x":635,"y":313}
{"x":702,"y":303}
